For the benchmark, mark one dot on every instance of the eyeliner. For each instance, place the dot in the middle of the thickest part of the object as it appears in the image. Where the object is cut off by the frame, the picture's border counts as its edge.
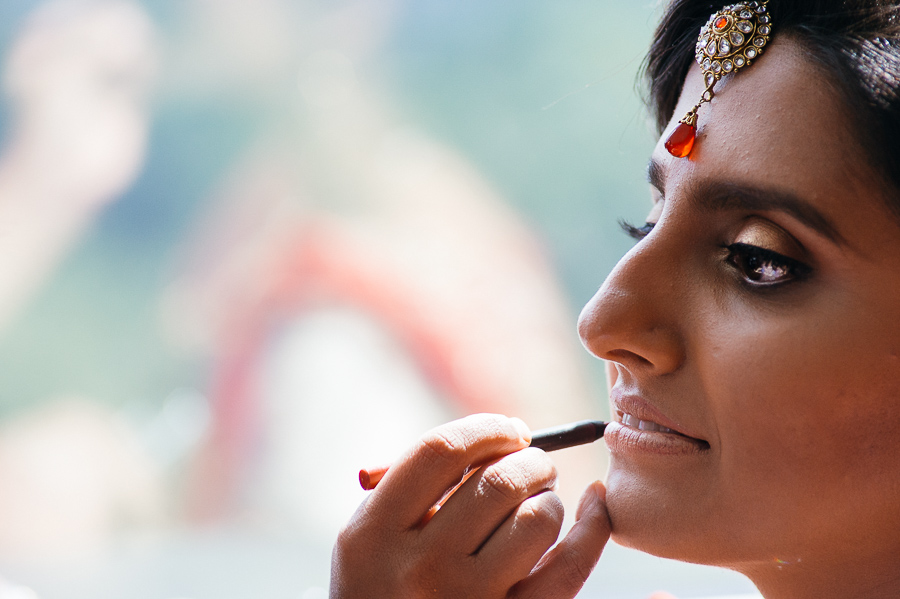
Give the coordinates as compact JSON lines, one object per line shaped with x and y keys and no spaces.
{"x":548,"y":439}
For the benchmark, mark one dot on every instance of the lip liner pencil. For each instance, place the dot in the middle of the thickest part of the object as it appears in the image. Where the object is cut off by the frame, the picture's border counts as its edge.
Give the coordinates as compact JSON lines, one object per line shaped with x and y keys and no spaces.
{"x":548,"y":439}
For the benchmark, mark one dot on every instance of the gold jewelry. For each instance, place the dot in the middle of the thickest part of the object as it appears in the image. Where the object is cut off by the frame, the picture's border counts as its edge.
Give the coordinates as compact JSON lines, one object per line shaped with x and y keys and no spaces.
{"x":730,"y":41}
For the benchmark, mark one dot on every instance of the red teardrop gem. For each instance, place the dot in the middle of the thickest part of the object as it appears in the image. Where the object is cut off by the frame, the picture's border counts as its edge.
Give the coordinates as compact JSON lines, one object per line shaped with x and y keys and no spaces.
{"x":681,"y":140}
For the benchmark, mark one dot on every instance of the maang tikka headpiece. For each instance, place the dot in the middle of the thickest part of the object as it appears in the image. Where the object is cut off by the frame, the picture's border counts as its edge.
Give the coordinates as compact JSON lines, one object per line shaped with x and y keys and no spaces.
{"x":729,"y":41}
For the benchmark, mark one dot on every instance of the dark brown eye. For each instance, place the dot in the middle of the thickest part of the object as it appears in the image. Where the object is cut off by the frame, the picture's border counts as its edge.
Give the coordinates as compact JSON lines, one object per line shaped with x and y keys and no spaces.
{"x":764,"y":267}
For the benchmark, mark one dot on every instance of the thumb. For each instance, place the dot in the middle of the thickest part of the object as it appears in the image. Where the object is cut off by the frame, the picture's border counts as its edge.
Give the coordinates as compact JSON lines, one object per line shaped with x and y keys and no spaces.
{"x":562,"y":571}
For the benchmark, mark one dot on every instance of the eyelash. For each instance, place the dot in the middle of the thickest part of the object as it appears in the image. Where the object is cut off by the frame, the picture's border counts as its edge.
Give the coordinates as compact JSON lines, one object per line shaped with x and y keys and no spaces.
{"x":753,"y":262}
{"x":636,"y":233}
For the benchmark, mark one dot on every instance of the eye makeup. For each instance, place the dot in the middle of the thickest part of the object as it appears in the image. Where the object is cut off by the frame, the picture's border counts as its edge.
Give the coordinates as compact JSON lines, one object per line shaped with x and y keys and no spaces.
{"x":760,"y":266}
{"x":761,"y":233}
{"x":766,"y":254}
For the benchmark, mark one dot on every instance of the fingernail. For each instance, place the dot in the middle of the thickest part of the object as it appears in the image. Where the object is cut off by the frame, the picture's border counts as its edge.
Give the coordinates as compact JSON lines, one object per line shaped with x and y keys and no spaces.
{"x":592,"y":496}
{"x":522,"y":429}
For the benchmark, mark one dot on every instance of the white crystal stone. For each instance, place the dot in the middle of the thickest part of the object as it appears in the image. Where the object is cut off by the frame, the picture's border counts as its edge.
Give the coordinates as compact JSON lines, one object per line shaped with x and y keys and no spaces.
{"x":728,"y":66}
{"x":739,"y":61}
{"x":746,"y":14}
{"x":736,"y":37}
{"x":745,"y":26}
{"x":765,"y":29}
{"x":724,"y":47}
{"x":760,"y":41}
{"x":751,"y":52}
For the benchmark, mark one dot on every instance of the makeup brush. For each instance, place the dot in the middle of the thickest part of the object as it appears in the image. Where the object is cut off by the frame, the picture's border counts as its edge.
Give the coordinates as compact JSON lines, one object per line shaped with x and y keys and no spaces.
{"x":548,"y":439}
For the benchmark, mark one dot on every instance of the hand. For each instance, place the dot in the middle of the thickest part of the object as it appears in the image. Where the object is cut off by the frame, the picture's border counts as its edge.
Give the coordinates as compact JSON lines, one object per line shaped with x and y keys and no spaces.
{"x":489,"y":539}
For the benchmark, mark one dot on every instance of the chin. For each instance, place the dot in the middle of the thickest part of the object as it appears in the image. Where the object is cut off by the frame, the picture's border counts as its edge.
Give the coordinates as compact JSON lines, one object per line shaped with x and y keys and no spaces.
{"x":670,"y":523}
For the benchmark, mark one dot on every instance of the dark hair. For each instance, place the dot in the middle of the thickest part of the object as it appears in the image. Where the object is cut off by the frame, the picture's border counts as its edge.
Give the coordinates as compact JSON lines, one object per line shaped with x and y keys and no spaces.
{"x":856,"y":43}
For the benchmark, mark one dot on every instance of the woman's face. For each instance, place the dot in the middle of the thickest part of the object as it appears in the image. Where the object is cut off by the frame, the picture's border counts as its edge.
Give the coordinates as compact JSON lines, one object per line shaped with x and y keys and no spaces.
{"x":760,"y":319}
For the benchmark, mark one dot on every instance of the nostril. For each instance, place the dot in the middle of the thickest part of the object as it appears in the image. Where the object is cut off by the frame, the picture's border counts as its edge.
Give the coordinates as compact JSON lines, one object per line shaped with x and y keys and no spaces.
{"x":652,"y":348}
{"x":623,"y":356}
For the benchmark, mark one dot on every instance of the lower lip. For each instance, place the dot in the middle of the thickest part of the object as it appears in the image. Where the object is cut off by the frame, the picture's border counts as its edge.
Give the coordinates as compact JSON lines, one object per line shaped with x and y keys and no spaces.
{"x":622,"y":439}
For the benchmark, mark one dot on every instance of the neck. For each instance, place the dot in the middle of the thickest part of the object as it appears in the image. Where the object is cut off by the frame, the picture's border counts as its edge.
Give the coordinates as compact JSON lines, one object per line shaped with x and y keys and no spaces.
{"x":849,"y":578}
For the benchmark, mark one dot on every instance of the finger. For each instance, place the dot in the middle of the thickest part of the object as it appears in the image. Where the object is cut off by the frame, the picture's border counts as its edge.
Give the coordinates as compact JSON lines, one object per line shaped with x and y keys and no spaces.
{"x":563,"y":570}
{"x":488,"y":498}
{"x":511,"y":553}
{"x":439,"y":460}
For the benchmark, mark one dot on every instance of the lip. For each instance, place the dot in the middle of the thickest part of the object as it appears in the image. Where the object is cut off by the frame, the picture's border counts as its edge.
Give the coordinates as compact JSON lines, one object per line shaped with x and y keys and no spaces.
{"x":621,"y":438}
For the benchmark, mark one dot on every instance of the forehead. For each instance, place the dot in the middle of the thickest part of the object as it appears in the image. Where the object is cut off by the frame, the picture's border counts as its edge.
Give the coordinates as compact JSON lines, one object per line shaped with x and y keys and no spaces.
{"x":779,"y":123}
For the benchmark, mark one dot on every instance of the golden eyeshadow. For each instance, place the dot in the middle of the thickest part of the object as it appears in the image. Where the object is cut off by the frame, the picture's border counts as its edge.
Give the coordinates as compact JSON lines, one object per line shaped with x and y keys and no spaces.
{"x":769,"y":236}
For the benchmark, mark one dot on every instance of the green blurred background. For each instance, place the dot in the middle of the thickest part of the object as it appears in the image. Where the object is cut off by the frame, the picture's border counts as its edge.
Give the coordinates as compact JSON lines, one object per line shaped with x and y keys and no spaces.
{"x":540,"y":96}
{"x":539,"y":99}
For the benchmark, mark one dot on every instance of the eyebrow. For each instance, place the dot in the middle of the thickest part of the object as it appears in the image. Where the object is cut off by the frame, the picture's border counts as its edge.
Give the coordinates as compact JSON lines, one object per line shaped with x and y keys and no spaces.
{"x":725,"y":195}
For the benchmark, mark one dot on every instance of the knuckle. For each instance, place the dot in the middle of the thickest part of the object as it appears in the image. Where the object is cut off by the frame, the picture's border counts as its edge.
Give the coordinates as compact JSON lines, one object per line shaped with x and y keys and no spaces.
{"x":350,"y":533}
{"x":352,"y":546}
{"x":541,"y":516}
{"x":366,"y":531}
{"x":444,"y":446}
{"x":503,"y":480}
{"x":450,"y":443}
{"x":346,"y":535}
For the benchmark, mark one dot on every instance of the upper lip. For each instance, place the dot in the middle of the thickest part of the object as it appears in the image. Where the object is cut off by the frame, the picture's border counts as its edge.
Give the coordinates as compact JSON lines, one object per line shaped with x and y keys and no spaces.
{"x":643,"y":410}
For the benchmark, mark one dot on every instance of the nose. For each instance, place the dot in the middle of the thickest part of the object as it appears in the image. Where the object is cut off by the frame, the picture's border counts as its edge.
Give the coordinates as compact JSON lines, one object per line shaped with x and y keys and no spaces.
{"x":633,"y":320}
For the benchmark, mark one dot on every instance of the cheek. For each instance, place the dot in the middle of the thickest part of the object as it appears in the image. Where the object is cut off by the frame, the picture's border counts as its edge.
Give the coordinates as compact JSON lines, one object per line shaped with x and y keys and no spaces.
{"x":795,"y":374}
{"x":801,"y":390}
{"x":808,"y":420}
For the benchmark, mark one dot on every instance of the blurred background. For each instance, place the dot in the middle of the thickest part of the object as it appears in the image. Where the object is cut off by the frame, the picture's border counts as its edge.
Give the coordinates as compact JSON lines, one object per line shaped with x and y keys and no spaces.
{"x":251,"y":247}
